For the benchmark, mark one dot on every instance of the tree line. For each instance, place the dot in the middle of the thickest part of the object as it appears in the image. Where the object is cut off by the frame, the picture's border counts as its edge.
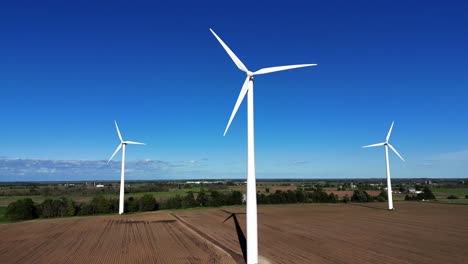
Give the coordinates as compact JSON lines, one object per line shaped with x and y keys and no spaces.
{"x":26,"y":209}
{"x":109,"y":188}
{"x":425,"y":195}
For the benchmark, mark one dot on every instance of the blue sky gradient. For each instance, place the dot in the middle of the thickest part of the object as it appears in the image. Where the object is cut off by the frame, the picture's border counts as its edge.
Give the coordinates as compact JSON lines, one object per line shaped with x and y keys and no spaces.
{"x":68,"y":70}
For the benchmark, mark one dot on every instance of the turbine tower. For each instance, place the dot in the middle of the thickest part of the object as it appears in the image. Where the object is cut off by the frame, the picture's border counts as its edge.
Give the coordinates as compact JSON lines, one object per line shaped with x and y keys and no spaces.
{"x":122,"y":145}
{"x":247,"y":87}
{"x":389,"y":183}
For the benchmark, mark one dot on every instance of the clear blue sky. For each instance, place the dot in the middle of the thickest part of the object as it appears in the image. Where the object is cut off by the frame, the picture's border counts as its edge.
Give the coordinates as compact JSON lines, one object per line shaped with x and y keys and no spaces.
{"x":67,"y":71}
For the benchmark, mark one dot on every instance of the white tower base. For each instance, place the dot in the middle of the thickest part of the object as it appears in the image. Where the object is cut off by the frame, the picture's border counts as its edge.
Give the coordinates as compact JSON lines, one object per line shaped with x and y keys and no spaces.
{"x":122,"y":182}
{"x":252,"y":229}
{"x":389,"y":183}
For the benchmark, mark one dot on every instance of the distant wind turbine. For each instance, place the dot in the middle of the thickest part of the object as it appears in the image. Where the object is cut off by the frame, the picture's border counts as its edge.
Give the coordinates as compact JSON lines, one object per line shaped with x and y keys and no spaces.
{"x":247,"y":87}
{"x":389,"y":183}
{"x":122,"y":145}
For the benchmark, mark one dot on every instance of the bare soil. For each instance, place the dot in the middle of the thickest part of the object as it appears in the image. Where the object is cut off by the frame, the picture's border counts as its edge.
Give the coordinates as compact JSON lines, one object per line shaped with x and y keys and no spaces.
{"x":416,"y":232}
{"x":143,"y":238}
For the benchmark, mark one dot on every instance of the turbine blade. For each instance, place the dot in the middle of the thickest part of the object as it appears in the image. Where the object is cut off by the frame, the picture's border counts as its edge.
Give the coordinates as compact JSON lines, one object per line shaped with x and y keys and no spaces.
{"x":396,"y":152}
{"x":133,"y":143}
{"x":233,"y":56}
{"x":282,"y":68}
{"x":115,"y":152}
{"x":242,"y":94}
{"x":118,"y":131}
{"x":389,"y":132}
{"x":374,"y":145}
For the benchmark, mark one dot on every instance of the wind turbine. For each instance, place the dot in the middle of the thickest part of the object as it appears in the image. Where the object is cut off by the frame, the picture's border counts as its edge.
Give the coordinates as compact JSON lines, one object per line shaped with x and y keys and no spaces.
{"x":122,"y":145}
{"x":247,"y":87}
{"x":387,"y":145}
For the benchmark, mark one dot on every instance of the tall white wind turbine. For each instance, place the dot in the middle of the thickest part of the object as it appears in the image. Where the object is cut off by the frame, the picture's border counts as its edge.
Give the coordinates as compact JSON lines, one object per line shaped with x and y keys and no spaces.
{"x":389,"y":183}
{"x":122,"y":145}
{"x":247,"y":87}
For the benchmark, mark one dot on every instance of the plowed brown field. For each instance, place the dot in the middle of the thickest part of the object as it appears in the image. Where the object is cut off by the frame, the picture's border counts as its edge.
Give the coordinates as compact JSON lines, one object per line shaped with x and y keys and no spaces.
{"x":144,"y":238}
{"x":306,"y":233}
{"x":345,"y":233}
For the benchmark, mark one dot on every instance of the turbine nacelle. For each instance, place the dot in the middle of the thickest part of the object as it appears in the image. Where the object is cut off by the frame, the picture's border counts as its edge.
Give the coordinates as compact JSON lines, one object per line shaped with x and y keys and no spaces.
{"x":386,"y":143}
{"x":122,"y":142}
{"x":250,"y":75}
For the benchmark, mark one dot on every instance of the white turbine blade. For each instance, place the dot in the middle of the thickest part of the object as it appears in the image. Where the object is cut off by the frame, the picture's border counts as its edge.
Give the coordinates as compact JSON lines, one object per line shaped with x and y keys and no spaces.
{"x":133,"y":143}
{"x":396,"y":152}
{"x":282,"y":68}
{"x":242,"y":94}
{"x":374,"y":145}
{"x":389,"y":132}
{"x":233,"y":56}
{"x":115,"y":152}
{"x":118,"y":131}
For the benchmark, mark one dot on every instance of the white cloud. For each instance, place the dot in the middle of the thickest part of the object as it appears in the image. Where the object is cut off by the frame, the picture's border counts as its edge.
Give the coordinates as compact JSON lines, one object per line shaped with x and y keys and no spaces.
{"x":15,"y":169}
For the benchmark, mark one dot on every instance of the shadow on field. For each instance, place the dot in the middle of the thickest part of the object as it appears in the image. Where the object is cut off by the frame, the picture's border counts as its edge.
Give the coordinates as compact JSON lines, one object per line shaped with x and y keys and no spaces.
{"x":368,"y":206}
{"x":240,"y":234}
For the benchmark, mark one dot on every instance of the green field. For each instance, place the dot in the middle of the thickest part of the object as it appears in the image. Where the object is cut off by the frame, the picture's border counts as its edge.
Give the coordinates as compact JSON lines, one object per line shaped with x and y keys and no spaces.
{"x":3,"y":219}
{"x":452,"y":201}
{"x":6,"y":200}
{"x":461,"y":192}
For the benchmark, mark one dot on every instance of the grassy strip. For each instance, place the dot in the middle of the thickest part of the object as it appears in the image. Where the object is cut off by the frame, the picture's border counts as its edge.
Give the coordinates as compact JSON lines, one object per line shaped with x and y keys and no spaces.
{"x":6,"y":200}
{"x":3,"y":219}
{"x":455,"y":191}
{"x":451,"y":201}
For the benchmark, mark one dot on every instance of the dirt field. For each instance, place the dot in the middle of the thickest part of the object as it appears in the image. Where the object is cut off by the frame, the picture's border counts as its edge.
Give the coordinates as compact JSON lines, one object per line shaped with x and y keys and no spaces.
{"x":306,"y":233}
{"x":326,"y":233}
{"x":143,"y":238}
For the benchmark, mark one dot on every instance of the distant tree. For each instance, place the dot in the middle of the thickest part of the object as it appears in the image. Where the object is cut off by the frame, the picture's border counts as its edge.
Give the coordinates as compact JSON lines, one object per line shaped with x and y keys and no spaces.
{"x":202,"y":199}
{"x":381,"y":197}
{"x":46,"y":209}
{"x":318,"y":195}
{"x":132,"y":205}
{"x":61,"y":207}
{"x":332,"y":198}
{"x":346,"y":199}
{"x":263,"y":198}
{"x":101,"y":205}
{"x":291,"y":197}
{"x":174,"y":202}
{"x":300,"y":196}
{"x":189,"y":201}
{"x":278,"y":197}
{"x":267,"y":190}
{"x":23,"y":209}
{"x":234,"y":198}
{"x":383,"y":194}
{"x":148,"y":203}
{"x":86,"y":209}
{"x":426,"y":194}
{"x":70,"y":205}
{"x":216,"y":199}
{"x":114,"y":205}
{"x":360,"y":196}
